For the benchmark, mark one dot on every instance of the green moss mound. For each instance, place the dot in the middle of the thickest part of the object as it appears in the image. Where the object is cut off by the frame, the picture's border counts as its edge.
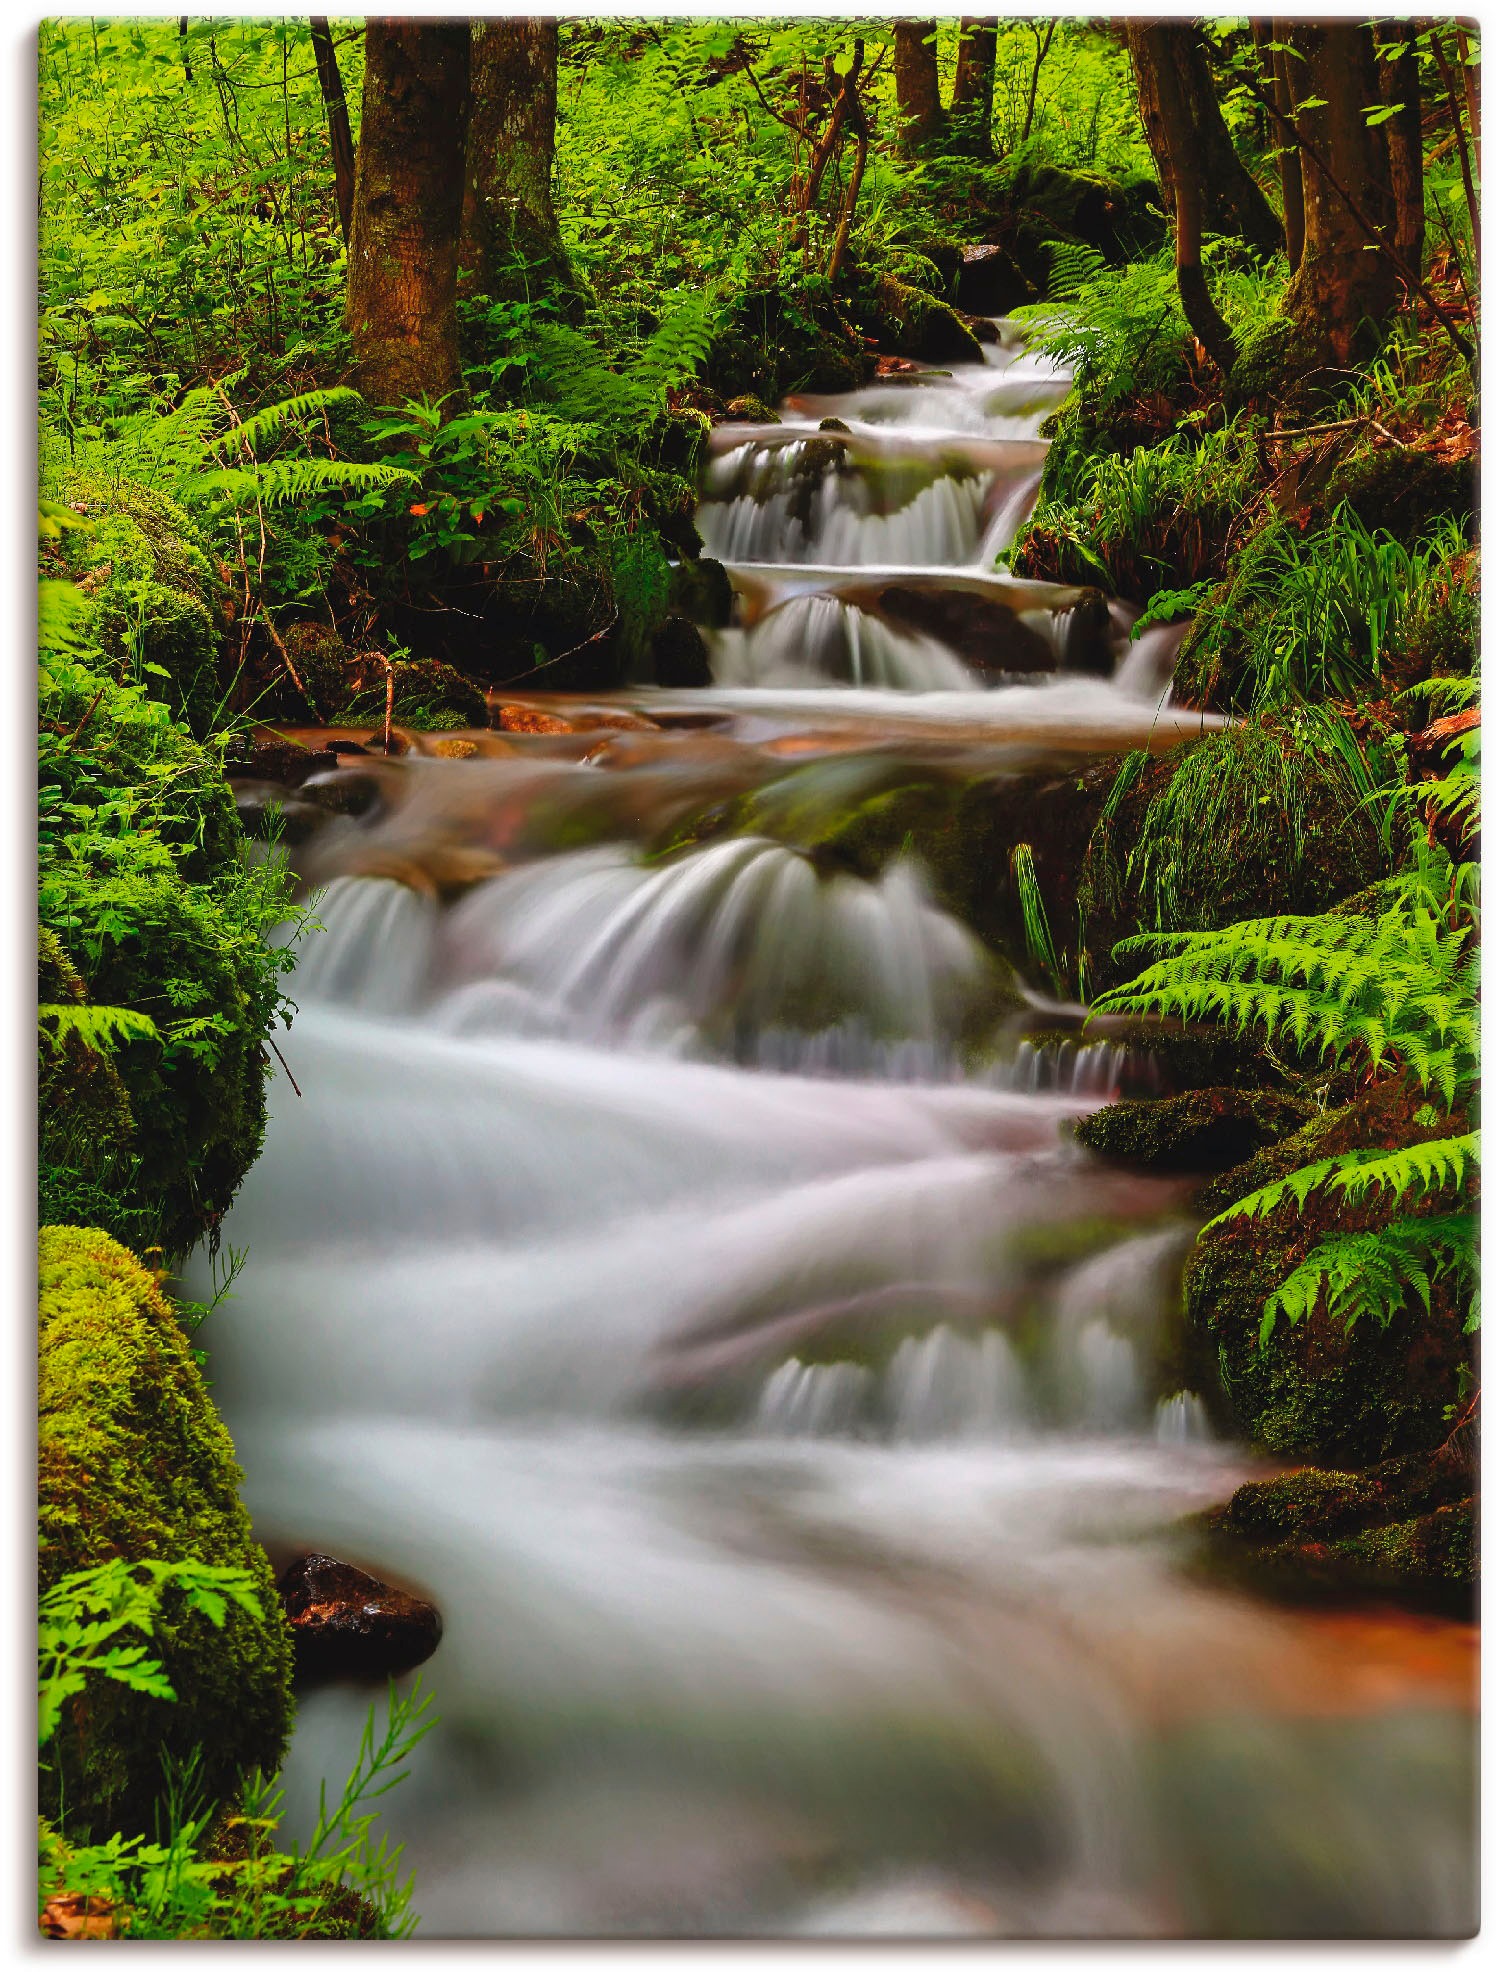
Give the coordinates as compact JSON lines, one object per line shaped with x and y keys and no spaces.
{"x":1404,"y":490}
{"x":1201,"y":1130}
{"x":158,"y":614}
{"x":152,"y":906}
{"x":135,"y":1463}
{"x":1405,"y":1528}
{"x":904,"y":319}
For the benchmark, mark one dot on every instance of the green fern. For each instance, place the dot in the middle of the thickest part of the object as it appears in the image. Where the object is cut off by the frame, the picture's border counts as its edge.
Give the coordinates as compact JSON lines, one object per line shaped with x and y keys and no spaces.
{"x":577,"y":374}
{"x":285,"y":482}
{"x":100,"y":1029}
{"x":1393,"y":991}
{"x":273,"y":420}
{"x":1405,"y":1176}
{"x":1378,"y":1273}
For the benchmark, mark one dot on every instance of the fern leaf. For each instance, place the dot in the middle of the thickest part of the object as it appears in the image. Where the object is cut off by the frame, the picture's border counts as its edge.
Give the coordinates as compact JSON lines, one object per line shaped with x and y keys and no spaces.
{"x":100,"y":1029}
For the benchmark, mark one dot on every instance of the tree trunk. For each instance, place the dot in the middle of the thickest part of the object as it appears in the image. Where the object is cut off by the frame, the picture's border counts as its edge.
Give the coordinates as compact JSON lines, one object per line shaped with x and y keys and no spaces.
{"x":407,"y":206}
{"x":971,"y":98}
{"x":1398,"y":80}
{"x":916,"y":78}
{"x":1340,"y":290}
{"x":1170,"y":53}
{"x":511,"y":244}
{"x":1290,"y":177}
{"x":339,"y":136}
{"x":1173,"y":123}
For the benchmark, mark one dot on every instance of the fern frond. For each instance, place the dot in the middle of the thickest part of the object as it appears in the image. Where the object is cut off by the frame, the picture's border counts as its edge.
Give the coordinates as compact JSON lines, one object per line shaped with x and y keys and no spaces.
{"x":285,"y":481}
{"x":1376,"y":1273}
{"x":1406,"y":1175}
{"x":274,"y":418}
{"x":1395,"y":989}
{"x":100,"y":1029}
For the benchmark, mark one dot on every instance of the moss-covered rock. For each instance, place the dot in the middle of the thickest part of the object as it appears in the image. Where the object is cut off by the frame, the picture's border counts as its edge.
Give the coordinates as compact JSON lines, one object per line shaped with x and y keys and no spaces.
{"x":1404,"y":489}
{"x":906,"y":321}
{"x":1201,"y":1130}
{"x":1404,"y":1528}
{"x":158,"y":596}
{"x":136,"y":1464}
{"x":1316,"y":1390}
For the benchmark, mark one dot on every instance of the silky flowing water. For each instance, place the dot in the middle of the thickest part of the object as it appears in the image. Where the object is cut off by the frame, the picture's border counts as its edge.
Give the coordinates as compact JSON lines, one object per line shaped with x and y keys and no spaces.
{"x":662,"y":1264}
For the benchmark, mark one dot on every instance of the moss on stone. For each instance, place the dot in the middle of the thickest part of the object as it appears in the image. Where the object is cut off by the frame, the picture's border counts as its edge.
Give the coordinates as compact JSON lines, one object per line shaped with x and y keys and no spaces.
{"x":1315,"y":1389}
{"x":158,"y":596}
{"x":136,"y":1464}
{"x":1439,"y":635}
{"x":905,"y":320}
{"x":1404,"y":1528}
{"x":1404,"y":489}
{"x":1201,"y":1130}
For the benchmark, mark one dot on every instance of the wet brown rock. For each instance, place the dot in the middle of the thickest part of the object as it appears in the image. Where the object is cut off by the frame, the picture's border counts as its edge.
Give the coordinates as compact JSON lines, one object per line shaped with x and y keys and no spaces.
{"x":72,"y":1915}
{"x":287,"y":763}
{"x":526,"y":719}
{"x":982,"y":632}
{"x":348,"y":1625}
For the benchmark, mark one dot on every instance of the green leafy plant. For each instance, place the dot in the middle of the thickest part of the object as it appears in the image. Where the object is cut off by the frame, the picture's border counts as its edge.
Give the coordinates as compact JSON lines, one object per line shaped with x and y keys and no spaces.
{"x":82,"y":1616}
{"x":224,"y":1877}
{"x":1393,"y":993}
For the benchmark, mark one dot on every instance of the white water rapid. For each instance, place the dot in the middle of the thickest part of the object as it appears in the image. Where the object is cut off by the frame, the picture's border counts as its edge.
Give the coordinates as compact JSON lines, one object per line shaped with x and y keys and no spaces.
{"x":671,"y":1259}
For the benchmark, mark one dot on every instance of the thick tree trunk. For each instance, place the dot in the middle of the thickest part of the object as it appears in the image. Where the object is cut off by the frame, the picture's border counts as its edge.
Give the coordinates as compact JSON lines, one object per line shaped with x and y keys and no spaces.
{"x":1170,"y":53}
{"x":971,"y":97}
{"x":1341,"y":290}
{"x":1290,"y":178}
{"x":407,"y":206}
{"x":511,"y":244}
{"x":1398,"y":79}
{"x":1166,"y":74}
{"x":916,"y":78}
{"x":335,"y":106}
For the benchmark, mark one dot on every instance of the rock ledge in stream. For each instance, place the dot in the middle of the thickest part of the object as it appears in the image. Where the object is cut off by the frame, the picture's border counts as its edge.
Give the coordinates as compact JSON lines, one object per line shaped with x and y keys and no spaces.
{"x":1202,"y":1130}
{"x":1404,"y":1529}
{"x":348,"y":1625}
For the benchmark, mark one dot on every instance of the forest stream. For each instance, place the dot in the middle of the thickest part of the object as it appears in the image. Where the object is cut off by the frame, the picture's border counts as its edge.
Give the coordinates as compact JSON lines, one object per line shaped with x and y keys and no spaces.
{"x":666,"y":1262}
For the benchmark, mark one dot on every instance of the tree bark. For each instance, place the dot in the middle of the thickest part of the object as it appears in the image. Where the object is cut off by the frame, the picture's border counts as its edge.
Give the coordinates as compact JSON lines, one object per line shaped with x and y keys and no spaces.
{"x":1290,"y":175}
{"x":335,"y":106}
{"x":1170,"y":54}
{"x":1398,"y":80}
{"x":1166,"y":73}
{"x":1341,"y":290}
{"x":916,"y":78}
{"x":511,"y":243}
{"x":971,"y":97}
{"x":407,"y":207}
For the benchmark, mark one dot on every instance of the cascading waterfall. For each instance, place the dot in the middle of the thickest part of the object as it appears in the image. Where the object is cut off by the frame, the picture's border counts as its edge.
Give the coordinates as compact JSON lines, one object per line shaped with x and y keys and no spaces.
{"x":667,"y":1259}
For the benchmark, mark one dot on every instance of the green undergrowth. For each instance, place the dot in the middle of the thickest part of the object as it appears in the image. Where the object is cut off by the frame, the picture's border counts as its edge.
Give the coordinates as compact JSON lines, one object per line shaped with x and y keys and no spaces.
{"x":148,"y":905}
